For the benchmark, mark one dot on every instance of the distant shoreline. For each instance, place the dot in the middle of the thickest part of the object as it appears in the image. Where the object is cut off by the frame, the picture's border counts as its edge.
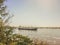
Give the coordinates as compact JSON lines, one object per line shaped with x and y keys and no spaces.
{"x":34,"y":27}
{"x":48,"y":27}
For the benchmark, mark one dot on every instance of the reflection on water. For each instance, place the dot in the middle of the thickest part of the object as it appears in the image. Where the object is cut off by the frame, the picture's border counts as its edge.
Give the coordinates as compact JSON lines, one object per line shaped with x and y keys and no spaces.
{"x":46,"y":34}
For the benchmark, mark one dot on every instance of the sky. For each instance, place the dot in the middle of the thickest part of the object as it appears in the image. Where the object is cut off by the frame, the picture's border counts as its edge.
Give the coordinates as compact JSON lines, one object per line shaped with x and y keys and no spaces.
{"x":40,"y":13}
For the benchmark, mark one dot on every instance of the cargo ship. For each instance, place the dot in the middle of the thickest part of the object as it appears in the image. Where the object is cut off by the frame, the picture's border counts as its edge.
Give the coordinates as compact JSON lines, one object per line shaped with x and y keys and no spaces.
{"x":27,"y":28}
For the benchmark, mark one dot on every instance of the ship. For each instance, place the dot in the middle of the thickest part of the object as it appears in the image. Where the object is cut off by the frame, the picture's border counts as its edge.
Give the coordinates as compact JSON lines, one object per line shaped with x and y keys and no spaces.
{"x":27,"y":28}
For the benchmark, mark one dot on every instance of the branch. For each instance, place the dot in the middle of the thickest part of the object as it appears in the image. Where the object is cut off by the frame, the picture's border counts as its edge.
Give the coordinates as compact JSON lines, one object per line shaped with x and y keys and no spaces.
{"x":7,"y":19}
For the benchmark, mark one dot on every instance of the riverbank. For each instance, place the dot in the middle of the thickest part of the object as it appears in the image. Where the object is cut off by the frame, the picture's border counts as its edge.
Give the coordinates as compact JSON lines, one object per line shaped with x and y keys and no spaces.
{"x":39,"y":42}
{"x":45,"y":42}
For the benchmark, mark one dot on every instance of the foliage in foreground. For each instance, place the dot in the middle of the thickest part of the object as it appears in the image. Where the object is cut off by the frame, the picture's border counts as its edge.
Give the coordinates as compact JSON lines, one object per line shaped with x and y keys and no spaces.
{"x":20,"y":40}
{"x":6,"y":34}
{"x":16,"y":40}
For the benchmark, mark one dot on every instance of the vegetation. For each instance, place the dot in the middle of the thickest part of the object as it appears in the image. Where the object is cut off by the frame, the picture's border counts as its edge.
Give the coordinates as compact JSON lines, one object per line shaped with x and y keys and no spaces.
{"x":39,"y":42}
{"x":6,"y":34}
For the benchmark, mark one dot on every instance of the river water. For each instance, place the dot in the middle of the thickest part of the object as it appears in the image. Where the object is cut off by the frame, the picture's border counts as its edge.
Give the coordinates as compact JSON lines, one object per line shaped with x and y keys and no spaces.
{"x":51,"y":35}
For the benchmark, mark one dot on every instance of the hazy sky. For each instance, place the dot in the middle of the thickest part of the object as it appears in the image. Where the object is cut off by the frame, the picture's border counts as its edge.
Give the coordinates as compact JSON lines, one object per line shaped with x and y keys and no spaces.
{"x":35,"y":12}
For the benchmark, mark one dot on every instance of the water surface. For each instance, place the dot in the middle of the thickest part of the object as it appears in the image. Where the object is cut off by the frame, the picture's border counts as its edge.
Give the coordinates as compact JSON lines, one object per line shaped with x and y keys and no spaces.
{"x":51,"y":35}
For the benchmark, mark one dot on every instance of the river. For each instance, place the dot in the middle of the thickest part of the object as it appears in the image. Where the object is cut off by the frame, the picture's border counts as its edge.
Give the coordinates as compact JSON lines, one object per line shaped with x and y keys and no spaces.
{"x":51,"y":35}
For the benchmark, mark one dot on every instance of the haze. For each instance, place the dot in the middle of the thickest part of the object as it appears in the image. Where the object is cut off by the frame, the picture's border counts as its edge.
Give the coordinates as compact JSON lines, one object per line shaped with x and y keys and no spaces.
{"x":35,"y":12}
